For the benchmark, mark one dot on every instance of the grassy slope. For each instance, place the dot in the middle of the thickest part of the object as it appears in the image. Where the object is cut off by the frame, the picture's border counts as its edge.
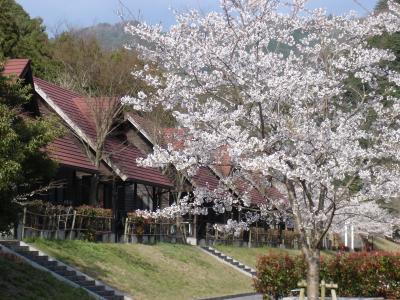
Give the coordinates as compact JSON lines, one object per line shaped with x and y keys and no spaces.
{"x":163,"y":271}
{"x":19,"y":280}
{"x":249,"y":256}
{"x":385,"y":245}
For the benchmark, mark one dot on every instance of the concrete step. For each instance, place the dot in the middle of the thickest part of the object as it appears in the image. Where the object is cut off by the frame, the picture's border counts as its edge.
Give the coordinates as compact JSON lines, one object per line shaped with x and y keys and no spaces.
{"x":29,"y":253}
{"x":48,"y":264}
{"x":18,"y":248}
{"x":229,"y":259}
{"x":57,"y":268}
{"x":106,"y":293}
{"x":61,"y":270}
{"x":96,"y":288}
{"x":9,"y":243}
{"x":114,"y":297}
{"x":87,"y":283}
{"x":247,"y":269}
{"x":76,"y":278}
{"x":66,"y":273}
{"x":40,"y":258}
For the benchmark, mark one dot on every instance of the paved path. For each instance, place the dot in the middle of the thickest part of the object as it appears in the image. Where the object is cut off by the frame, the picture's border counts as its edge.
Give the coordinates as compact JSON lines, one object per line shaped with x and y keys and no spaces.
{"x":238,"y":297}
{"x":251,"y":297}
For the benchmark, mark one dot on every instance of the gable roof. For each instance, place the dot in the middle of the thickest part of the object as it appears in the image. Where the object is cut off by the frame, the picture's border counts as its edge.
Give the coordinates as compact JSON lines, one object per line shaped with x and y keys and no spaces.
{"x":74,"y":110}
{"x":16,"y":66}
{"x":66,"y":151}
{"x":206,"y":176}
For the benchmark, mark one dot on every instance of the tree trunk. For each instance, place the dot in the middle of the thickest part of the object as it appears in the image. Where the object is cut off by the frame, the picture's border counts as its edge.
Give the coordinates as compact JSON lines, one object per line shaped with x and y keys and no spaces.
{"x":313,"y":267}
{"x":94,"y":182}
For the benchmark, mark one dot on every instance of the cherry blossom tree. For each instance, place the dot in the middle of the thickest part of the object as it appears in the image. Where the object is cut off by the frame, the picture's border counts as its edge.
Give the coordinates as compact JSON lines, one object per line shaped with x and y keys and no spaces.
{"x":293,"y":95}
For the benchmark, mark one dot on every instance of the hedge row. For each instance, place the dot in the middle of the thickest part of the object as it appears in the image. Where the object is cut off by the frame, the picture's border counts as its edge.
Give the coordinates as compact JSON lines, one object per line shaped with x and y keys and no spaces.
{"x":46,"y":208}
{"x":361,"y":274}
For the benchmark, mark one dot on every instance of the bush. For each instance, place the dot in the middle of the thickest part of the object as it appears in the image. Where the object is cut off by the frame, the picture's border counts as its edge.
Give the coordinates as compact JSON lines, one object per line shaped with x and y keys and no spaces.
{"x":368,"y":274}
{"x":91,"y":211}
{"x":139,"y":222}
{"x":357,"y":274}
{"x":277,"y":274}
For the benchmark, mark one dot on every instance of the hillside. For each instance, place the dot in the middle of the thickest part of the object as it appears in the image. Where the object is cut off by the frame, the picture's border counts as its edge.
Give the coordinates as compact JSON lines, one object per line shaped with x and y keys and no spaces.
{"x":19,"y":280}
{"x":162,"y":271}
{"x":109,"y":36}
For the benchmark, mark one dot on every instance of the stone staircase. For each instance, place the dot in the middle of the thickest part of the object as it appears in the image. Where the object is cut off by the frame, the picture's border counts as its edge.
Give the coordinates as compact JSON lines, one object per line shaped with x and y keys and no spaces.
{"x":95,"y":288}
{"x":230,"y":260}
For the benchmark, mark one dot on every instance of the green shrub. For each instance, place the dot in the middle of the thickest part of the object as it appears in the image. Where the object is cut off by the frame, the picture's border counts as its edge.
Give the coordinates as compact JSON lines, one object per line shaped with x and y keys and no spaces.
{"x":367,"y":274}
{"x":277,"y":274}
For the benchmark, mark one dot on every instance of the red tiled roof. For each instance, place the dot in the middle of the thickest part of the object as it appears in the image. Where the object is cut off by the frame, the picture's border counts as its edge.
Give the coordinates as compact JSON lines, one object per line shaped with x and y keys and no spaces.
{"x":243,"y":187}
{"x":65,"y":150}
{"x":122,"y":156}
{"x":256,"y":197}
{"x":174,"y":136}
{"x":205,"y":178}
{"x":274,"y":194}
{"x":142,"y":122}
{"x":16,"y":66}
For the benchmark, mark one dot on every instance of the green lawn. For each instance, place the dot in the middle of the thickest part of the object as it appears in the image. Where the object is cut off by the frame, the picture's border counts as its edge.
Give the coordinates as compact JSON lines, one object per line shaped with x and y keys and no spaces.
{"x":385,"y":245}
{"x":162,"y":271}
{"x":249,"y":256}
{"x":18,"y":280}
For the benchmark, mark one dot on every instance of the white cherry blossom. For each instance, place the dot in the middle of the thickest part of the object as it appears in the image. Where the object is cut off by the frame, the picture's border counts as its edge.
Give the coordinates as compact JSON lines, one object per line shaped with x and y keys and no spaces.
{"x":292,"y":95}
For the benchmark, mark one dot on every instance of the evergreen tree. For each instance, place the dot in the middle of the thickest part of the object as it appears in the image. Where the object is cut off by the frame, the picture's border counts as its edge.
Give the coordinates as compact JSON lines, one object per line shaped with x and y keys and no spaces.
{"x":24,"y":164}
{"x":23,"y":37}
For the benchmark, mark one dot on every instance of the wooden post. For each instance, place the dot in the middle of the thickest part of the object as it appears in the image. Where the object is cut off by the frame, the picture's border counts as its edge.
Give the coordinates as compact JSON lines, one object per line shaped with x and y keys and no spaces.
{"x":23,"y":224}
{"x":58,"y":226}
{"x":195,"y":227}
{"x":249,"y":244}
{"x":302,"y":285}
{"x":323,"y":290}
{"x":333,"y":288}
{"x":126,"y":230}
{"x":333,"y":294}
{"x":73,"y":225}
{"x":66,"y":219}
{"x":352,"y":237}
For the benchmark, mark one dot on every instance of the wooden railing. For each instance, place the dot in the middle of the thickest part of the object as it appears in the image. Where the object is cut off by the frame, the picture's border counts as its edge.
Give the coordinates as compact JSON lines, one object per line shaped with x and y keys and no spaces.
{"x":67,"y":225}
{"x":264,"y":237}
{"x":157,"y":231}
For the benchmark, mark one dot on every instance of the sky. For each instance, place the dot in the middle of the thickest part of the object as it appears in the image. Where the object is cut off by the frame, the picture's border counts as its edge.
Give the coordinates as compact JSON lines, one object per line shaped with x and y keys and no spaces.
{"x":82,"y":13}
